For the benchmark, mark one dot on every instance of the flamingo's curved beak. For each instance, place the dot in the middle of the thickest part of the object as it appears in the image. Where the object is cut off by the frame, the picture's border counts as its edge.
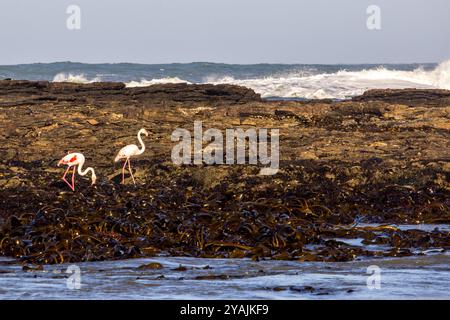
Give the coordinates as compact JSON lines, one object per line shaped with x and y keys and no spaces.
{"x":59,"y":162}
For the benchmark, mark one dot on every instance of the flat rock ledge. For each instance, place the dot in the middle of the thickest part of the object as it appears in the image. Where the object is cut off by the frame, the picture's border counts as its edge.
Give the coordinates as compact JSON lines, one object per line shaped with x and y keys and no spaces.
{"x":39,"y":91}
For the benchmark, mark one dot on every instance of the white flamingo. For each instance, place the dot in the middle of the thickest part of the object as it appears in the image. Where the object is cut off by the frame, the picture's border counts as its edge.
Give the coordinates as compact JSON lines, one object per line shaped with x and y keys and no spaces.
{"x":129,"y":151}
{"x":73,"y":160}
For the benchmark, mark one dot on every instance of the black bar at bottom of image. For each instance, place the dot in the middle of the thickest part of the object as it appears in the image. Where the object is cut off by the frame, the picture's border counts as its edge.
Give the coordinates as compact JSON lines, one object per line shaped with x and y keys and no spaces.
{"x":225,"y":309}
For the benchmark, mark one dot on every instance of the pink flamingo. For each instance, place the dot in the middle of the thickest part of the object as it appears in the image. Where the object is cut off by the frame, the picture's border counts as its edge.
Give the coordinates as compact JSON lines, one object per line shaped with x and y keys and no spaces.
{"x":73,"y":160}
{"x":129,"y":151}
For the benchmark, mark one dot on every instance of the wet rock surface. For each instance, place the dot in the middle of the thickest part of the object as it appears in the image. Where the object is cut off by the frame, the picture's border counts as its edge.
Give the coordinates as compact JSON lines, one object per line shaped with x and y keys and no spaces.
{"x":380,"y":158}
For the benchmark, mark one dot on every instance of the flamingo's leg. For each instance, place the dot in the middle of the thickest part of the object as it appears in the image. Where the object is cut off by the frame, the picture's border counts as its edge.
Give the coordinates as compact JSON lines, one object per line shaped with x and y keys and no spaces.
{"x":123,"y":171}
{"x":64,"y":177}
{"x":73,"y":178}
{"x":131,"y":172}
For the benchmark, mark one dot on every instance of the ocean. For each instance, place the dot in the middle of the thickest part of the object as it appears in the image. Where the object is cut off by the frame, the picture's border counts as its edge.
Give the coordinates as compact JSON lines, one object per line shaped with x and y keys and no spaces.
{"x":283,"y":81}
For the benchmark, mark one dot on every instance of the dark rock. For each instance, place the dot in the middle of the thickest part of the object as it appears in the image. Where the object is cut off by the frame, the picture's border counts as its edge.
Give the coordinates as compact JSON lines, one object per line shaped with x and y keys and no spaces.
{"x":414,"y":97}
{"x":179,"y":92}
{"x":151,"y":266}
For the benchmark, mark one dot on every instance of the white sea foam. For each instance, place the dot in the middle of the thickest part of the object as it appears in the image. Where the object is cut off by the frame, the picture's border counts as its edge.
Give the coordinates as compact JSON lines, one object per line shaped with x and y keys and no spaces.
{"x":343,"y":84}
{"x":76,"y":78}
{"x":144,"y":82}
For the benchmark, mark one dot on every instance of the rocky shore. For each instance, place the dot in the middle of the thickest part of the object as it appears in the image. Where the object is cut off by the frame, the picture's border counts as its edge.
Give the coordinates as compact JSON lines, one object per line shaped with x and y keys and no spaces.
{"x":383,"y":157}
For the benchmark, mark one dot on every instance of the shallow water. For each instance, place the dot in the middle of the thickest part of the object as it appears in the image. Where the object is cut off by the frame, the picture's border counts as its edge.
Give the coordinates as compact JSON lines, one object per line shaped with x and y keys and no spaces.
{"x":428,"y":227}
{"x":426,"y":276}
{"x":420,"y":277}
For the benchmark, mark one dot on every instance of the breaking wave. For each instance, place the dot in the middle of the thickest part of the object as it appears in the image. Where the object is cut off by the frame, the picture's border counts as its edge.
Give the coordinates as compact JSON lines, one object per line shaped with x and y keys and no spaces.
{"x":76,"y":78}
{"x":343,"y":84}
{"x":144,"y":83}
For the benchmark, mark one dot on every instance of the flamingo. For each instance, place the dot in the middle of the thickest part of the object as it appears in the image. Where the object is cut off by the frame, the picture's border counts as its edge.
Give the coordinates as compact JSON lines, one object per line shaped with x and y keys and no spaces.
{"x":73,"y":160}
{"x":129,"y":151}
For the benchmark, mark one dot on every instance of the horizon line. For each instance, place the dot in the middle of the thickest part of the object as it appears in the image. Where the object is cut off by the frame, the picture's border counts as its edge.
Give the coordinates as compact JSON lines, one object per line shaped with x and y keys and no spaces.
{"x":225,"y":63}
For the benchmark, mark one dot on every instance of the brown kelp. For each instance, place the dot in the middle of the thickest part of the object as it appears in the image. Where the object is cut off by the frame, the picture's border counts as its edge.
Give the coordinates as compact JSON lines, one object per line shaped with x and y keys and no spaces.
{"x":298,"y":214}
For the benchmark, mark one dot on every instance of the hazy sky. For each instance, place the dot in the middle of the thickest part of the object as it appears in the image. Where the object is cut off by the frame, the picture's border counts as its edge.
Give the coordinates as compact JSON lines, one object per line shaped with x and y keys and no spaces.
{"x":231,"y":31}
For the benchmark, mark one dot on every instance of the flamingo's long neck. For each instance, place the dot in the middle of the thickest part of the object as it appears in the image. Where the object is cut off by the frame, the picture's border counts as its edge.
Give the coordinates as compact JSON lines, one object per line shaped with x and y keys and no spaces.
{"x":142,"y":149}
{"x":85,"y":172}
